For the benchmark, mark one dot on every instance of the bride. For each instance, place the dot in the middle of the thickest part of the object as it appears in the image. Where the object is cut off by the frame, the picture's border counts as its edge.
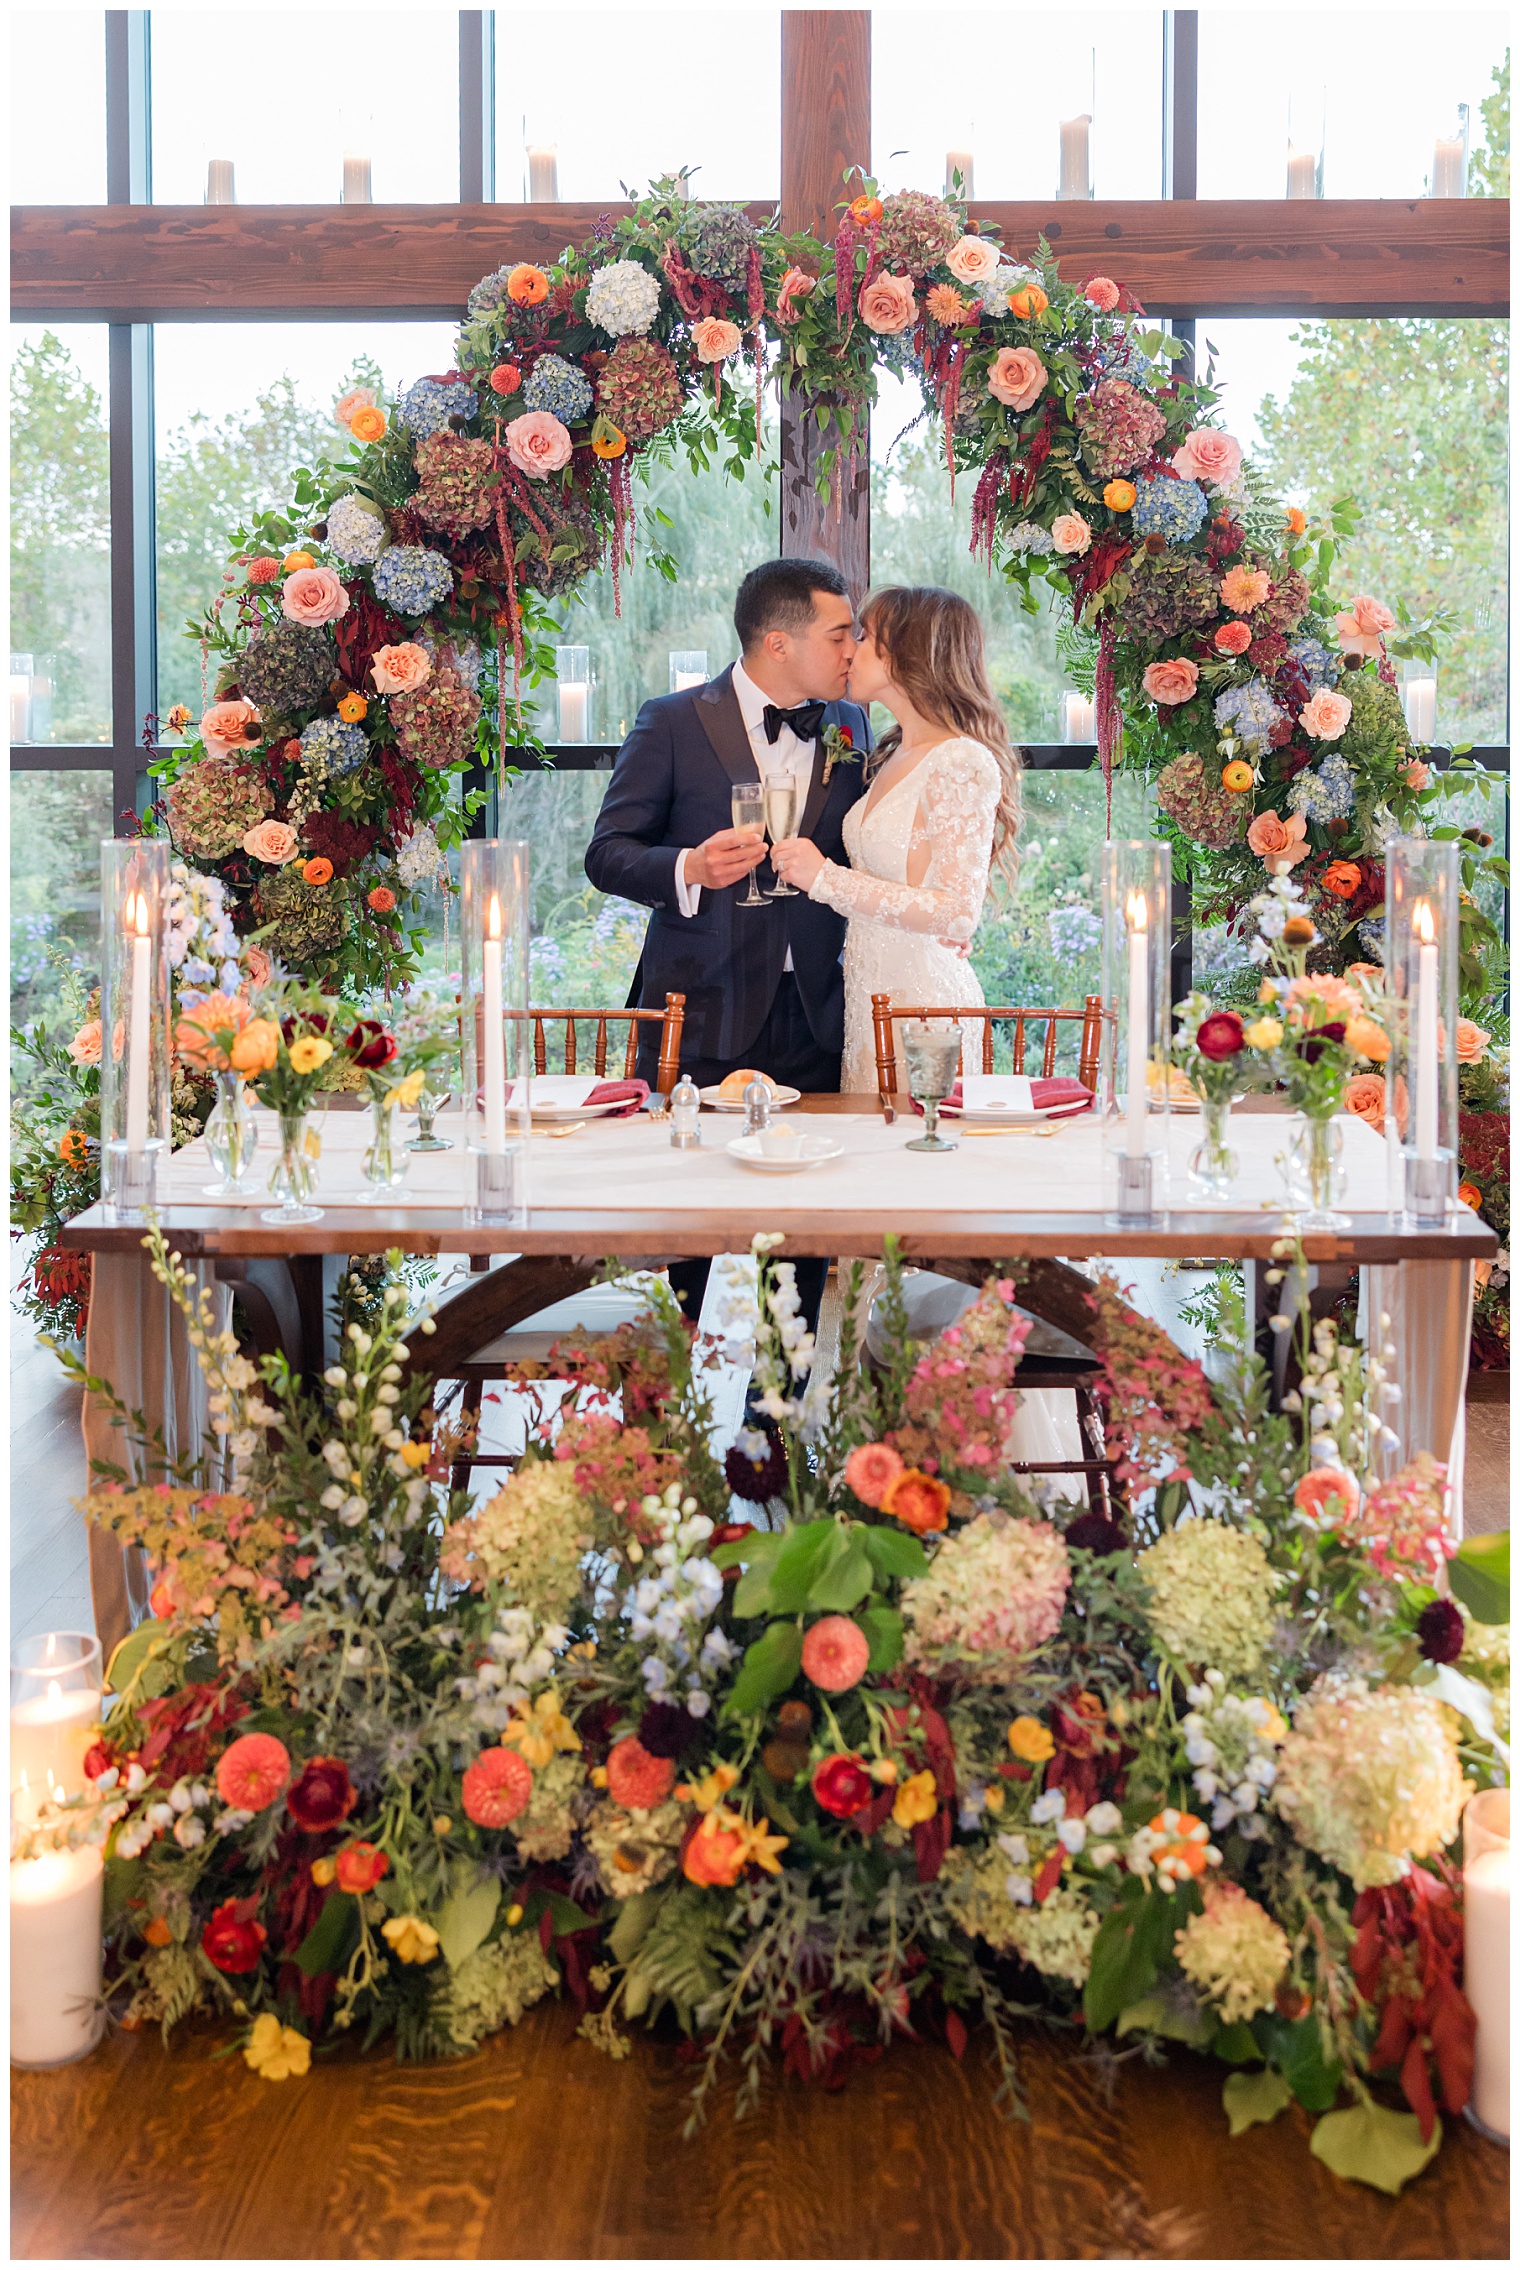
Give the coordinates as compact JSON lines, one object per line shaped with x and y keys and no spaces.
{"x":940,"y":813}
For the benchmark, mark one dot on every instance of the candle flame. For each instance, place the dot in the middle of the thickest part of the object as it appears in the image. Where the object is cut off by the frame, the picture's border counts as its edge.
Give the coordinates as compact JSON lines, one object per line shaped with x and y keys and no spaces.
{"x":137,"y":912}
{"x":1135,"y":910}
{"x":1423,"y":922}
{"x":493,"y":917}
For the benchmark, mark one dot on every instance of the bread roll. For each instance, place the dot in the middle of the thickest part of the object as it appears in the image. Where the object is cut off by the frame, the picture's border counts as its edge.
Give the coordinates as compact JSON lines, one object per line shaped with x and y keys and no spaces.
{"x":732,"y":1090}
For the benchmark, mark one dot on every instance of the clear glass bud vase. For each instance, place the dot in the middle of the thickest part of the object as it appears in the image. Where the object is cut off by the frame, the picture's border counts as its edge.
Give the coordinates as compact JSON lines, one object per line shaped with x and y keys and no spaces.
{"x":232,"y":1135}
{"x":386,"y":1161}
{"x":1314,"y":1174}
{"x":294,"y":1176}
{"x":1213,"y":1166}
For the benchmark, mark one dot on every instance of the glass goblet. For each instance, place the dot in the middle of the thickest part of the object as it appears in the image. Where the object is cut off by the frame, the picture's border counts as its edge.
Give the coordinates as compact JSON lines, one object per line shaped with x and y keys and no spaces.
{"x":932,"y":1053}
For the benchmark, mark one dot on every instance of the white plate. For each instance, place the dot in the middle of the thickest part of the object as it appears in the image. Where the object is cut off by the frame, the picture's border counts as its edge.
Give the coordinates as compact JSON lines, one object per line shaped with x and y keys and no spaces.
{"x":812,"y":1151}
{"x":988,"y":1115}
{"x":550,"y":1112}
{"x":715,"y":1099}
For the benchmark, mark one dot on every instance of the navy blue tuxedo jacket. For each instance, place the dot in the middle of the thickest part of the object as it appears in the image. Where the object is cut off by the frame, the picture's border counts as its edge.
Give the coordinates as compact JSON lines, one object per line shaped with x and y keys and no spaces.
{"x":670,"y":791}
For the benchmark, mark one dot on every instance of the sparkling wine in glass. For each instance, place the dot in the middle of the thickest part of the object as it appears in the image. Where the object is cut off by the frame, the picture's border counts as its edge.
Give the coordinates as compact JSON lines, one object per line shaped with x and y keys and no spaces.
{"x":748,"y":806}
{"x":781,"y":820}
{"x":932,"y":1052}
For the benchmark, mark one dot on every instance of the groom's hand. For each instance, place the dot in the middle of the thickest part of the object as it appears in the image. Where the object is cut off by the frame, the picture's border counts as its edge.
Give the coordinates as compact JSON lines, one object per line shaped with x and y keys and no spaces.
{"x":724,"y":859}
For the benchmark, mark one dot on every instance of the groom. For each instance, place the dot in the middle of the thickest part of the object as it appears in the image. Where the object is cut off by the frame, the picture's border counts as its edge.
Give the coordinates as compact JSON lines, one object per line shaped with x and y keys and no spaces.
{"x":764,"y":985}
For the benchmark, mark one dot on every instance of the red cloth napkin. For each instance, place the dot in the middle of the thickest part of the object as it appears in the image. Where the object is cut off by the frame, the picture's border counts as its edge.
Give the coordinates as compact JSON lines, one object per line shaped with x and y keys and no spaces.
{"x":1053,"y":1099}
{"x":630,"y":1095}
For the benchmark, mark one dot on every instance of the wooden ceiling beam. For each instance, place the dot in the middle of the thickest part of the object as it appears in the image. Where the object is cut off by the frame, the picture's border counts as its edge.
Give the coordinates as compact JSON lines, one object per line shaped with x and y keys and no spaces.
{"x":225,"y":263}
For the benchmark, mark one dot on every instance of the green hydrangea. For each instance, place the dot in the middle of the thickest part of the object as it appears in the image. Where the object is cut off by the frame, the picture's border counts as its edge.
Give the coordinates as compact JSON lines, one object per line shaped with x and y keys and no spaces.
{"x":1233,"y":1953}
{"x":287,"y":666}
{"x":1211,"y":1591}
{"x":530,"y":1537}
{"x":1485,"y":1658}
{"x":494,"y":1986}
{"x":1371,"y":1780}
{"x":544,"y":1831}
{"x":213,"y":805}
{"x":308,"y":924}
{"x":1056,"y":1937}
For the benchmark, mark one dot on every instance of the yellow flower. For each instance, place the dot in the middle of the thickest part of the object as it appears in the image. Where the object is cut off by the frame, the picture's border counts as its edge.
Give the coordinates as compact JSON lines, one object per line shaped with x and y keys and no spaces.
{"x":1274,"y":1726}
{"x":995,"y":1796}
{"x":411,"y":1940}
{"x":310,"y":1054}
{"x":406,"y":1091}
{"x":442,"y":1823}
{"x":545,"y":1730}
{"x":1119,"y":495}
{"x":762,"y":1848}
{"x":1265,"y":1033}
{"x":711,"y":1789}
{"x":514,"y":1916}
{"x":415,"y":1454}
{"x":917,"y":1800}
{"x":352,"y":707}
{"x":275,"y":2051}
{"x":1031,"y":1741}
{"x":324,"y":1870}
{"x":598,"y":1777}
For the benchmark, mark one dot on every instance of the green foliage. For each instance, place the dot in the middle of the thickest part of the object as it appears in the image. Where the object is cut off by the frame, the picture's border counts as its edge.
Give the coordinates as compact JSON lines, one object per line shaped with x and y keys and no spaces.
{"x":1252,"y":2097}
{"x":1488,"y":168}
{"x":1480,"y":1577}
{"x":1369,"y":2144}
{"x":61,"y":536}
{"x":1133,"y":1945}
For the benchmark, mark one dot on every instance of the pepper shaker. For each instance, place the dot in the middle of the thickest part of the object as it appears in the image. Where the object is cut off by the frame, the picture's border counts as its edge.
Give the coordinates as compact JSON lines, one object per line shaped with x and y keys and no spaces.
{"x":685,"y":1117}
{"x":757,"y":1108}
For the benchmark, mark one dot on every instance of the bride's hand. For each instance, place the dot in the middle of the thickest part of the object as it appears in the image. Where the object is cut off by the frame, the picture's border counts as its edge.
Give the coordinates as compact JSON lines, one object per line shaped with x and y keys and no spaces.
{"x":797,"y":861}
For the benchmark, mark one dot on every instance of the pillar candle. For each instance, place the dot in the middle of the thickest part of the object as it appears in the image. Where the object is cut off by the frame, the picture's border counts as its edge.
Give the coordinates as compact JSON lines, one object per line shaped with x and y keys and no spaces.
{"x":575,"y":709}
{"x":356,"y":181}
{"x":685,"y":678}
{"x":959,"y":162}
{"x":1077,"y":721}
{"x":1427,"y":1060}
{"x":50,"y":1734}
{"x":1074,"y":156}
{"x":1485,"y":1971}
{"x":1420,"y":709}
{"x":495,"y":1066}
{"x":543,"y":174}
{"x":1139,"y":1024}
{"x":1447,"y":174}
{"x":1302,"y":167}
{"x":221,"y":189}
{"x":138,"y":1067}
{"x":55,"y":1956}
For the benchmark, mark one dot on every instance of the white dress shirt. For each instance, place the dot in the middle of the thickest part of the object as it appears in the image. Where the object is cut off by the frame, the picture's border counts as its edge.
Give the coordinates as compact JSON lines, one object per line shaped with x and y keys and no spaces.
{"x":788,"y":755}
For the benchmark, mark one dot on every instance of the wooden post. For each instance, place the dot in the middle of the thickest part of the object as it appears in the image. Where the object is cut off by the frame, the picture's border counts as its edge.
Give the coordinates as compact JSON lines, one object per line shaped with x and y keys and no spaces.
{"x":825,"y":128}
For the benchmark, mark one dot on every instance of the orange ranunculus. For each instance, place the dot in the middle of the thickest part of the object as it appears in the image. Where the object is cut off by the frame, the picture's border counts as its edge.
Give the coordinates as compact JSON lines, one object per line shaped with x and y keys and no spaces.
{"x":382,"y":900}
{"x":73,"y":1148}
{"x":1119,"y":495}
{"x":352,"y":708}
{"x":359,"y":1867}
{"x":865,"y":210}
{"x":1028,"y":301}
{"x":717,"y":1849}
{"x":368,"y":424}
{"x":608,"y":440}
{"x":1297,"y":521}
{"x":1328,"y":1489}
{"x":1238,"y":776}
{"x":1365,"y":1097}
{"x":293,"y":562}
{"x":527,"y":286}
{"x":1365,"y":1037}
{"x":1470,"y":1195}
{"x":316,"y":872}
{"x":919,"y":1501}
{"x":1342,"y":878}
{"x":257,"y":1047}
{"x":205,"y":1033}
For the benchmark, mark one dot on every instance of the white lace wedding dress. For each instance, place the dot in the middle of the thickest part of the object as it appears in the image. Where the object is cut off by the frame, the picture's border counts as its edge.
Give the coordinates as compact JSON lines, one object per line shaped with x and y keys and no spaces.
{"x":946,"y":808}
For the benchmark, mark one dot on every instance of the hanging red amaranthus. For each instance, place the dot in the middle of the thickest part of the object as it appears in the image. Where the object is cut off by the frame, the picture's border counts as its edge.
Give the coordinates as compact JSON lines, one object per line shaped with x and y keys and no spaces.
{"x":1106,"y":712}
{"x":847,"y":239}
{"x":620,"y":488}
{"x":754,"y":293}
{"x":1021,"y":481}
{"x":698,"y":295}
{"x":949,"y":403}
{"x":984,"y":507}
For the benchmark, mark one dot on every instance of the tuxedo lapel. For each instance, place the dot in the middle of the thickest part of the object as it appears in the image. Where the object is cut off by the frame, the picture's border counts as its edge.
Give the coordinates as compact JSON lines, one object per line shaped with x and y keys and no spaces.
{"x":717,"y":705}
{"x":819,"y":788}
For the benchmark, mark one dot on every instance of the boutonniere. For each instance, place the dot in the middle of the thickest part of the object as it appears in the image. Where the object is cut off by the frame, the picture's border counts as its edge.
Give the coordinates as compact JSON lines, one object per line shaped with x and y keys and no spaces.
{"x":838,"y":749}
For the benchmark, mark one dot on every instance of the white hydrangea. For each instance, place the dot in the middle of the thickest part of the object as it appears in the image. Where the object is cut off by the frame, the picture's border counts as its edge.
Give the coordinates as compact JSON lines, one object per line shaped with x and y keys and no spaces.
{"x":419,"y":858}
{"x":356,"y":531}
{"x":623,"y":299}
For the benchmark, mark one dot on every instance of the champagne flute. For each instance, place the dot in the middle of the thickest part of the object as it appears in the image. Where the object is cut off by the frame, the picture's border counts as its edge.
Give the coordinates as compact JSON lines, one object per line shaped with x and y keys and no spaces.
{"x":747,"y":804}
{"x":781,"y":820}
{"x":932,"y":1052}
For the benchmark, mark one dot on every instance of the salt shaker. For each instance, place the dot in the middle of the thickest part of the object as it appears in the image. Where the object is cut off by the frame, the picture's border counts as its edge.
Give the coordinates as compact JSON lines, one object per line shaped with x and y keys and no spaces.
{"x":685,"y":1117}
{"x":757,"y":1108}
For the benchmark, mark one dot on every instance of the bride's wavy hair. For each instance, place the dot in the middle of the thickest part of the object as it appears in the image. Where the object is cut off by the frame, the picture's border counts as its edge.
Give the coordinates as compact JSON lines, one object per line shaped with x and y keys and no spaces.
{"x":932,"y":643}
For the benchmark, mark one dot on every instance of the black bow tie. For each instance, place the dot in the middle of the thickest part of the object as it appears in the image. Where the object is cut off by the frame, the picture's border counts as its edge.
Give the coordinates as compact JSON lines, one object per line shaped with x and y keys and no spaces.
{"x":806,"y":720}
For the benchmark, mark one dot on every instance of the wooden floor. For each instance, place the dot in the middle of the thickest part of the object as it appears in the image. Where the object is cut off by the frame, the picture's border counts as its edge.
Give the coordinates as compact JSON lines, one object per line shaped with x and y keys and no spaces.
{"x":539,"y":2147}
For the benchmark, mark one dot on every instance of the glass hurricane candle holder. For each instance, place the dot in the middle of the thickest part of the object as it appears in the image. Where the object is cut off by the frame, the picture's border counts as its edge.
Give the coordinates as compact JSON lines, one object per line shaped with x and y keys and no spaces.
{"x":1417,"y":691}
{"x":135,"y":1056}
{"x":1077,"y":726}
{"x":493,"y":934}
{"x":1485,"y":1916}
{"x":1448,"y":172}
{"x":55,"y":1708}
{"x":572,"y":671}
{"x":1135,"y":1080}
{"x":1423,"y":899}
{"x":688,"y":667}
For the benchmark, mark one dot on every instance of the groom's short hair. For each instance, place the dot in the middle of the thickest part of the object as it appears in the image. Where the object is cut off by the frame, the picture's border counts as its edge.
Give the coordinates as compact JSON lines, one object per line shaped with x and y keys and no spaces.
{"x":778,"y":596}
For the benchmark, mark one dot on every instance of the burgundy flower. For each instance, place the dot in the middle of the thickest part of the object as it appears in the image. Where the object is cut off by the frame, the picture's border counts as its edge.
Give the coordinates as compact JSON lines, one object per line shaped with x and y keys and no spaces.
{"x":1441,"y":1632}
{"x":323,"y":1796}
{"x":1312,"y":1047}
{"x":370,"y":1045}
{"x":666,"y":1730}
{"x":1093,"y":1532}
{"x":842,"y":1786}
{"x":232,"y":1940}
{"x":758,"y":1480}
{"x":1221,"y":1036}
{"x":310,"y":1021}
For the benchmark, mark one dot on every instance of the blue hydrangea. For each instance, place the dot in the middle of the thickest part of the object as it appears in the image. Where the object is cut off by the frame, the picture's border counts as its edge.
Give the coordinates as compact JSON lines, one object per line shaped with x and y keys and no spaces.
{"x":461,"y":654}
{"x":411,"y":579}
{"x":1326,"y":794}
{"x":1320,"y":667}
{"x":1029,"y":536}
{"x":356,"y":531}
{"x":1163,"y":507}
{"x":558,"y":387}
{"x":329,"y":748}
{"x":489,"y":294}
{"x":1249,"y":712}
{"x":427,"y":406}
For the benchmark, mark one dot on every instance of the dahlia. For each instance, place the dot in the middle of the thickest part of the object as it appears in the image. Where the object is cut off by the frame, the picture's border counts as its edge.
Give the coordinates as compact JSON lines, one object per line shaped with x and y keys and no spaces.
{"x":1211,"y":1592}
{"x":531,"y":1537}
{"x":639,"y":388}
{"x":1119,"y":428}
{"x":212,"y":806}
{"x":636,"y":1779}
{"x":1233,"y":1953}
{"x":1371,"y":1780}
{"x":251,"y":1773}
{"x":427,"y":406}
{"x":622,"y":299}
{"x":286,"y":667}
{"x":1190,"y":793}
{"x":558,"y":387}
{"x":356,"y":531}
{"x":835,"y":1653}
{"x":457,"y":483}
{"x":435,"y":726}
{"x":917,"y":230}
{"x":496,"y":1788}
{"x":994,"y":1592}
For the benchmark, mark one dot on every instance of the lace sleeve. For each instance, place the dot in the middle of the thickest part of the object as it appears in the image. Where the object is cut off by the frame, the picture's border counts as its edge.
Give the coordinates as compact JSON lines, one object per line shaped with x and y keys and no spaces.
{"x":960,"y":800}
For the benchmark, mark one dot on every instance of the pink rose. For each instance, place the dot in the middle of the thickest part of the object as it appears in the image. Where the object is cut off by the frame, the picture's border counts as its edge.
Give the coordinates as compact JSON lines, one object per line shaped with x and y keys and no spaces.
{"x":1208,"y":456}
{"x":1279,"y":842}
{"x":1244,"y":588}
{"x":260,"y":965}
{"x":230,"y":726}
{"x":1103,"y":292}
{"x":795,"y":285}
{"x":313,"y":595}
{"x":1070,"y":533}
{"x":538,"y":444}
{"x":1415,"y":774}
{"x":1017,"y":377}
{"x":972,"y":260}
{"x":272,"y":841}
{"x":1232,"y":638}
{"x":1472,"y":1041}
{"x":1171,"y":682}
{"x":85,"y":1047}
{"x":716,"y":340}
{"x":401,"y":669}
{"x":360,"y":398}
{"x":1361,"y":630}
{"x":888,"y":306}
{"x":1326,"y":715}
